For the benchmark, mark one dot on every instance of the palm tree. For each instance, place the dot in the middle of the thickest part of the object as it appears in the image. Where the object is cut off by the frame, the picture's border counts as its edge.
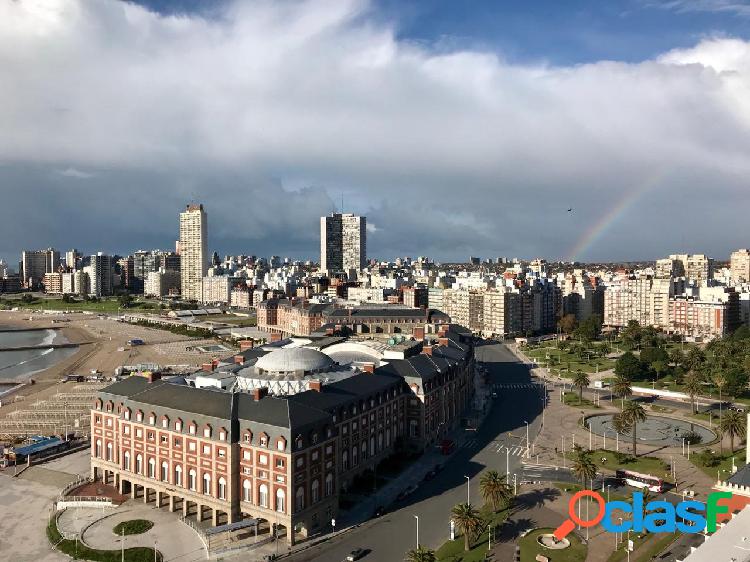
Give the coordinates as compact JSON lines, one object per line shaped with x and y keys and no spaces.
{"x":420,"y":554}
{"x":468,"y":521}
{"x":633,"y":414}
{"x":580,"y":381}
{"x":720,"y":381}
{"x":692,"y":387}
{"x":732,"y":424}
{"x":494,"y":488}
{"x":583,"y":467}
{"x":621,"y":387}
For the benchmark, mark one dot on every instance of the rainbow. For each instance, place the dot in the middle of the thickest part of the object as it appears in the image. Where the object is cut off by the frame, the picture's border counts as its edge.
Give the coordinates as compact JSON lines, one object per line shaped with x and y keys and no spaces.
{"x":595,"y":230}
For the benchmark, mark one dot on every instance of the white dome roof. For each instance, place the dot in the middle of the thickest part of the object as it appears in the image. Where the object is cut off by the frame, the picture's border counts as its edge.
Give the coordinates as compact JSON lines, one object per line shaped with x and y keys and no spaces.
{"x":293,"y":359}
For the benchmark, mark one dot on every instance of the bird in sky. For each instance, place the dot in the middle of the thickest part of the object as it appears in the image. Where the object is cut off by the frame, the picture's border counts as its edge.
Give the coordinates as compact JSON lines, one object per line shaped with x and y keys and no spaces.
{"x":570,"y":209}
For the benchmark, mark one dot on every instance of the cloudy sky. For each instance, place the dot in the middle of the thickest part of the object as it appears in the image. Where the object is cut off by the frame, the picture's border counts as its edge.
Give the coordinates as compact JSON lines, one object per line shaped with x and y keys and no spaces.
{"x":457,"y":128}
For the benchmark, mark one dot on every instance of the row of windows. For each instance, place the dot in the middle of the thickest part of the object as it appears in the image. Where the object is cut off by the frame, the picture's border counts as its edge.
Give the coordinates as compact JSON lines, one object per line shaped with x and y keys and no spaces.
{"x":165,"y":423}
{"x":164,"y":473}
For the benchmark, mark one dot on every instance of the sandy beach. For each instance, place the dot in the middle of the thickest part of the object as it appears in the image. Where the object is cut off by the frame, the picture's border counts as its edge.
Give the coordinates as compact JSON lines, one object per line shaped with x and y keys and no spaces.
{"x":103,"y":346}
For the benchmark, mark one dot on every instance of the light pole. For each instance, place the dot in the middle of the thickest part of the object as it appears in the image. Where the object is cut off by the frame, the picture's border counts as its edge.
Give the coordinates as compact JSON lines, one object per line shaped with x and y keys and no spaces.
{"x":683,"y":446}
{"x":489,"y":537}
{"x":617,"y":441}
{"x":417,"y":518}
{"x":528,"y":445}
{"x":608,"y":487}
{"x":468,"y":490}
{"x":507,"y":462}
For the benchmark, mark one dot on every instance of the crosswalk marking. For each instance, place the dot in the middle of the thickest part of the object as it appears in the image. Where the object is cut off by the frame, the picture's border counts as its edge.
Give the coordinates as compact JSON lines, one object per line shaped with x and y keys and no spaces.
{"x":518,"y":386}
{"x":516,"y":451}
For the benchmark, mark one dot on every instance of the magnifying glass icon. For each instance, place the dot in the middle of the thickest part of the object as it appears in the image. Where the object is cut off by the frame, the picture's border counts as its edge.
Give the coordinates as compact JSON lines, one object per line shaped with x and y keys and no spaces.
{"x":569,"y":524}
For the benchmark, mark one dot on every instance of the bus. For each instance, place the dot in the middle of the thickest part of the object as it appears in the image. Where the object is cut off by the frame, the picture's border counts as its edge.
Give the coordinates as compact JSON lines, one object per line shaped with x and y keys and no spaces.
{"x":638,"y":480}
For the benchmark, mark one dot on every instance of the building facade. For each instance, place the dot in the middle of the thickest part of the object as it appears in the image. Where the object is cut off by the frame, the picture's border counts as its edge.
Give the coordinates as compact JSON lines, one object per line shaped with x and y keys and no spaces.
{"x":193,"y":251}
{"x":343,"y":242}
{"x":35,"y":264}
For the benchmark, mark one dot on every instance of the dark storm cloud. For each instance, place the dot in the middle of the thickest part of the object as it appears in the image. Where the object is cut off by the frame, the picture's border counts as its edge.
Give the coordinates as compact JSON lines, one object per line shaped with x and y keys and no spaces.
{"x":113,"y":117}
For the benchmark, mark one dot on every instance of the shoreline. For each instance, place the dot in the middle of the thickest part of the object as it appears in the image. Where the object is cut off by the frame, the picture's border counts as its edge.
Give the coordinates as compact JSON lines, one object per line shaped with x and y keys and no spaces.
{"x":43,"y":380}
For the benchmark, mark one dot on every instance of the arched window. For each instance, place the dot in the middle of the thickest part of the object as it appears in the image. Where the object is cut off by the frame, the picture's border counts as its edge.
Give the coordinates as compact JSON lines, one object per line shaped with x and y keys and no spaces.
{"x":388,"y":437}
{"x":139,"y":464}
{"x":222,"y":488}
{"x":109,"y":451}
{"x":207,"y":484}
{"x":380,"y":440}
{"x":364,"y":450}
{"x":280,"y":500}
{"x":345,"y":460}
{"x":151,"y":468}
{"x":126,"y":460}
{"x":178,"y":475}
{"x":246,"y":491}
{"x":263,"y":495}
{"x":299,"y":499}
{"x":355,"y":456}
{"x":192,"y":479}
{"x":329,"y":484}
{"x":98,"y":449}
{"x":164,"y":471}
{"x":315,"y":491}
{"x":372,"y":446}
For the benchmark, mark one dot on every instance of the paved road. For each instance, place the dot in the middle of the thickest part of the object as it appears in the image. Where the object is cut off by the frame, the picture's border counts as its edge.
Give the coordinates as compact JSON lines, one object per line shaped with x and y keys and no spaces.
{"x":389,"y":537}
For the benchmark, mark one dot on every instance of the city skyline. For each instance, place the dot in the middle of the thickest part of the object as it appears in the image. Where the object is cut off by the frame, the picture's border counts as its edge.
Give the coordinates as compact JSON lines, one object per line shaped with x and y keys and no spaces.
{"x":454,"y":139}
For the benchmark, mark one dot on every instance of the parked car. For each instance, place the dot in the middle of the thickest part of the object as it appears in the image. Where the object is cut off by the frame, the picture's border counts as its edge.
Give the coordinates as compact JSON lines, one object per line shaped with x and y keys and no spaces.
{"x":355,"y":554}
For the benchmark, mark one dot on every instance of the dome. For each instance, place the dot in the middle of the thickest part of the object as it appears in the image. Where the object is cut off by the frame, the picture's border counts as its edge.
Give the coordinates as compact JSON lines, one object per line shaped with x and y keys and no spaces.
{"x":294,"y":359}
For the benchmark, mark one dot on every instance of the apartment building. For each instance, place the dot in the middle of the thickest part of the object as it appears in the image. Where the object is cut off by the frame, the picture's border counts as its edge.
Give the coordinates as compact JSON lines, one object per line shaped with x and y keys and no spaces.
{"x":416,"y":297}
{"x":501,"y":314}
{"x":296,"y":317}
{"x":53,"y":283}
{"x":582,"y":296}
{"x":739,"y":266}
{"x":162,"y":283}
{"x":643,"y":299}
{"x":343,"y":243}
{"x":193,"y":251}
{"x":101,"y":282}
{"x":695,"y":267}
{"x":35,"y":264}
{"x":705,"y":314}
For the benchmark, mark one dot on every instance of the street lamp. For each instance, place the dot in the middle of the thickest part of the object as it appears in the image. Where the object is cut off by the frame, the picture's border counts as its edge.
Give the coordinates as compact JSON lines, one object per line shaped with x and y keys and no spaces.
{"x":417,"y":518}
{"x":468,"y":489}
{"x":528,"y":446}
{"x":507,"y":462}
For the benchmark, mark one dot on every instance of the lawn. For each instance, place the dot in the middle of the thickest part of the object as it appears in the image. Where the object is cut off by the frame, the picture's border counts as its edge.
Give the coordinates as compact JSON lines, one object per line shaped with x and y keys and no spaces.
{"x":724,"y":465}
{"x":647,"y":547}
{"x":645,"y":465}
{"x":565,"y":363}
{"x":453,"y":551}
{"x":530,"y":548}
{"x":571,"y":399}
{"x":78,"y":551}
{"x":133,"y":527}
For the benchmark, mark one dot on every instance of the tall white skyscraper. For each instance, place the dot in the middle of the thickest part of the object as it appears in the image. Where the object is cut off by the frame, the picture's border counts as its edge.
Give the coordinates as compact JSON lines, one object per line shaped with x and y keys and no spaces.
{"x":193,"y":251}
{"x":343,"y":242}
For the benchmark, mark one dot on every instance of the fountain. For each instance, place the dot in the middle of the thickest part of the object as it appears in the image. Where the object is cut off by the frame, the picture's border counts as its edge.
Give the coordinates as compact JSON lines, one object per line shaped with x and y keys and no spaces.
{"x":549,"y":541}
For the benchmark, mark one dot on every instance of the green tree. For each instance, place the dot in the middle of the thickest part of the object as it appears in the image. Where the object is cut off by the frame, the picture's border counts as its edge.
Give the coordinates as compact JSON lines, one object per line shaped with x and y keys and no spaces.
{"x":621,"y":387}
{"x":494,"y":488}
{"x":124,"y":301}
{"x":695,"y":358}
{"x":468,"y":522}
{"x":659,"y":367}
{"x":567,"y":323}
{"x":421,"y":554}
{"x":676,"y":357}
{"x":732,"y":424}
{"x":628,"y":365}
{"x":582,"y":465}
{"x":631,"y":334}
{"x":692,"y":388}
{"x":580,"y":381}
{"x":633,"y":414}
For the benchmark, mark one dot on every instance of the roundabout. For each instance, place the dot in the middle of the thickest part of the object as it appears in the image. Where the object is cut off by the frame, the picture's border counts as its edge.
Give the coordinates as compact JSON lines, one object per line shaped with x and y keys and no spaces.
{"x":656,"y":430}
